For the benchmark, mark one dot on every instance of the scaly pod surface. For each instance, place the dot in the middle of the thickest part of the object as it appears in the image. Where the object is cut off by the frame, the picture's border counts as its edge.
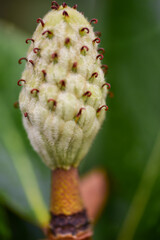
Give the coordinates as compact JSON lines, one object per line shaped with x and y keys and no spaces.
{"x":63,"y":88}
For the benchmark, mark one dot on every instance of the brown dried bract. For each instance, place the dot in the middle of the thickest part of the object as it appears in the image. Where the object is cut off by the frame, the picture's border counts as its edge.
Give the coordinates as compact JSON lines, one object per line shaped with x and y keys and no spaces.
{"x":80,"y":236}
{"x":94,"y":191}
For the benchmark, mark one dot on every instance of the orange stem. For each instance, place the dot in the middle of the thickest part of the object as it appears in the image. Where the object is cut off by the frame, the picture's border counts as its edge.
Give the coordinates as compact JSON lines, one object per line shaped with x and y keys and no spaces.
{"x":69,"y":220}
{"x":65,"y":193}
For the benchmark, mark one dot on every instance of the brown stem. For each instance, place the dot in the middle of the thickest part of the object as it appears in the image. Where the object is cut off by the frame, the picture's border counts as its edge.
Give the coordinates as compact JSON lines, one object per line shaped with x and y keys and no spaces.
{"x":69,"y":218}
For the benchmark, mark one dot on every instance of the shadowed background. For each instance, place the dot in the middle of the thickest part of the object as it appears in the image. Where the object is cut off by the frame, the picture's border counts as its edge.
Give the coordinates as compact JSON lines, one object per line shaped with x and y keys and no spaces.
{"x":128,"y":145}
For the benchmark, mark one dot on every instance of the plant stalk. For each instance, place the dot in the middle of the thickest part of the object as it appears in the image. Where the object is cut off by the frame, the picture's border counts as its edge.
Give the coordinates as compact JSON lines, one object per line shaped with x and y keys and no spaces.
{"x":69,"y":218}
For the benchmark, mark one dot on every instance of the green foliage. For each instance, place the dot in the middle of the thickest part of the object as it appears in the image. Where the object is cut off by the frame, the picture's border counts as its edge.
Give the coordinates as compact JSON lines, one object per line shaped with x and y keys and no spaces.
{"x":128,"y":144}
{"x":20,"y":178}
{"x":5,"y":232}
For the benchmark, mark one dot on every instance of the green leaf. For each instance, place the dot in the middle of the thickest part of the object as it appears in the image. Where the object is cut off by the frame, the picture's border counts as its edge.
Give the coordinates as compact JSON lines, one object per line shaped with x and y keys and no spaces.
{"x":5,"y":232}
{"x":127,"y":145}
{"x":21,"y":172}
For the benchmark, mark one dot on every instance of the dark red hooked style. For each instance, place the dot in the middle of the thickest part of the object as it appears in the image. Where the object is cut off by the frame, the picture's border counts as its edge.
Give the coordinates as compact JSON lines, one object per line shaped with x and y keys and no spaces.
{"x":94,"y":20}
{"x":64,"y":5}
{"x":34,"y":89}
{"x":100,"y":56}
{"x":80,"y":112}
{"x":55,"y":57}
{"x":26,"y":114}
{"x":95,"y":74}
{"x":74,"y":67}
{"x":31,"y":61}
{"x":55,"y":4}
{"x":67,"y":40}
{"x":97,"y":40}
{"x":23,"y":58}
{"x":107,"y":84}
{"x":54,"y":7}
{"x":75,"y":6}
{"x":40,"y":20}
{"x":29,"y":39}
{"x":21,"y":80}
{"x":47,"y":31}
{"x":105,"y":68}
{"x":85,"y":48}
{"x":36,"y":50}
{"x":44,"y":73}
{"x":62,"y":83}
{"x":52,"y":100}
{"x":85,"y":28}
{"x":104,"y":106}
{"x":65,"y":14}
{"x":98,"y":34}
{"x":88,"y":94}
{"x":101,"y":50}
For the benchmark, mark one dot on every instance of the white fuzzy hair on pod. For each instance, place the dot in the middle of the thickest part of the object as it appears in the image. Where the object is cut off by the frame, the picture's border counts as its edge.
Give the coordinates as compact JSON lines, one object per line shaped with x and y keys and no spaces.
{"x":63,"y":94}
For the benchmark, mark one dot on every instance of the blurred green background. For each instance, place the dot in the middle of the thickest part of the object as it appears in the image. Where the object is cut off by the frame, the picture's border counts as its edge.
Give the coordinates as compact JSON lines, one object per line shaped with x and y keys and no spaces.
{"x":128,"y":145}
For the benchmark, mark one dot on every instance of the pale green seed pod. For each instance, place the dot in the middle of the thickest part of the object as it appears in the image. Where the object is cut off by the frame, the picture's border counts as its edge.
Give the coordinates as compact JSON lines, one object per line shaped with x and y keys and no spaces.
{"x":63,"y":93}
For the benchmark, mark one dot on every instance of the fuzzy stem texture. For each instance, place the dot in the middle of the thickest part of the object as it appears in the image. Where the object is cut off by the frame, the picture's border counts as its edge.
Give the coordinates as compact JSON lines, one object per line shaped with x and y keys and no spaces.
{"x":69,"y":219}
{"x":65,"y":195}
